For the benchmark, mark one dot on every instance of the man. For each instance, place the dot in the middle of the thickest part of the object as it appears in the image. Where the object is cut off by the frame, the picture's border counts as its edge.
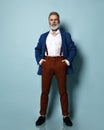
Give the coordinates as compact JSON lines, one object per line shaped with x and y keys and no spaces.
{"x":54,"y":53}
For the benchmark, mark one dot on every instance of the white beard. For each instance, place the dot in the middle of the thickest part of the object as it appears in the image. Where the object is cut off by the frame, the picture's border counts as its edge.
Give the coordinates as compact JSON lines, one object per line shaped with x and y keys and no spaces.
{"x":54,"y":27}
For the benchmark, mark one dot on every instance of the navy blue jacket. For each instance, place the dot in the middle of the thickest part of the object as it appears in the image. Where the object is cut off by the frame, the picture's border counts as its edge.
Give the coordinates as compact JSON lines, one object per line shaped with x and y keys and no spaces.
{"x":68,"y":49}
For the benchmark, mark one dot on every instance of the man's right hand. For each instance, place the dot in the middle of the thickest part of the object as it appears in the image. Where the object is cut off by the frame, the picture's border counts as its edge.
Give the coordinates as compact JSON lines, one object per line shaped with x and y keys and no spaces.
{"x":41,"y":61}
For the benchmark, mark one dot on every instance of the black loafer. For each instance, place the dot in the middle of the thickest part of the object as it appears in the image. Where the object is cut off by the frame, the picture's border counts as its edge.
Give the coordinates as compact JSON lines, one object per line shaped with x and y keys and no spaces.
{"x":40,"y":121}
{"x":67,"y":121}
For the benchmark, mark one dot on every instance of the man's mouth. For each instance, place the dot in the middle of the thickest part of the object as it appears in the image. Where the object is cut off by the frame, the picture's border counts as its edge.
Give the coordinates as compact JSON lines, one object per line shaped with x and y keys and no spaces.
{"x":53,"y":25}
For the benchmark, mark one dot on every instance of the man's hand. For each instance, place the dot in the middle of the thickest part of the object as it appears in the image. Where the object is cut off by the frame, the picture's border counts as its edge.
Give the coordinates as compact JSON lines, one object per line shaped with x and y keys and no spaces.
{"x":66,"y":61}
{"x":41,"y":61}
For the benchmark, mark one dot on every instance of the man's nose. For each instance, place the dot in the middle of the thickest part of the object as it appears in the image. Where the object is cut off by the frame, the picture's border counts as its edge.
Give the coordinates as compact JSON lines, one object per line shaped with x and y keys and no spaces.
{"x":54,"y":21}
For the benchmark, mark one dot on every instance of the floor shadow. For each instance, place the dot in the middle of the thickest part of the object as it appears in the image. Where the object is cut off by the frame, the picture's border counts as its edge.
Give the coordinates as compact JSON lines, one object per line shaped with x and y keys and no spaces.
{"x":73,"y":82}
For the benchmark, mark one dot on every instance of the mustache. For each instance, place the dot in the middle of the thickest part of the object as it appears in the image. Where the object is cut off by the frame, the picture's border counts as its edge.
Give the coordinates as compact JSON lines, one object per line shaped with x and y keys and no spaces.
{"x":54,"y":25}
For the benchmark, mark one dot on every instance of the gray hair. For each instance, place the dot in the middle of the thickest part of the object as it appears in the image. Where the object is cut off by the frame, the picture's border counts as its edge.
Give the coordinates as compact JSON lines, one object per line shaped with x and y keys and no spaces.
{"x":54,"y":13}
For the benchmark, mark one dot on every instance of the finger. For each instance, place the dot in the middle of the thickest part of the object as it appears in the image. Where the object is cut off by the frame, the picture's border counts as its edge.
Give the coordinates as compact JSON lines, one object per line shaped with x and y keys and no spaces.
{"x":44,"y":60}
{"x":63,"y":60}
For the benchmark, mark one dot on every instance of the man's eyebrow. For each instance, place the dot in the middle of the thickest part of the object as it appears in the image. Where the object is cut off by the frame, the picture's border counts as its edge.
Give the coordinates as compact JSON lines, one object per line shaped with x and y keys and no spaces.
{"x":53,"y":18}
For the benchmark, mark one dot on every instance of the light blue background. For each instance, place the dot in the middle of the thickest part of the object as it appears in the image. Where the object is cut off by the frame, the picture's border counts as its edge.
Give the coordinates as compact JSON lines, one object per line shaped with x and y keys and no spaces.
{"x":21,"y":23}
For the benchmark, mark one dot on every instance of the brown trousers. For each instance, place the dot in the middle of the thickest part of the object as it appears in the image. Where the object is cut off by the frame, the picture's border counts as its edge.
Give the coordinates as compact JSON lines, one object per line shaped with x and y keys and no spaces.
{"x":54,"y":66}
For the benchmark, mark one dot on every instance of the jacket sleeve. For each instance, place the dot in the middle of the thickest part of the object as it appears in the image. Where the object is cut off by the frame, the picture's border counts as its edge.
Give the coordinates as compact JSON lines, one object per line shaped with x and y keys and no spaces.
{"x":38,"y":50}
{"x":71,"y":48}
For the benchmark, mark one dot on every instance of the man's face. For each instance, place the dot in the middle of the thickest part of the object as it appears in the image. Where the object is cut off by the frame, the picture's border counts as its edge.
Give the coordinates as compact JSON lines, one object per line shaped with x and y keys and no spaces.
{"x":53,"y":20}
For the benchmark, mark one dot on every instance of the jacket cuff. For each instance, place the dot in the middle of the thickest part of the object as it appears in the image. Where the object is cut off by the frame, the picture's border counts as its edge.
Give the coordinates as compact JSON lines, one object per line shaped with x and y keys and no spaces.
{"x":67,"y":62}
{"x":40,"y":62}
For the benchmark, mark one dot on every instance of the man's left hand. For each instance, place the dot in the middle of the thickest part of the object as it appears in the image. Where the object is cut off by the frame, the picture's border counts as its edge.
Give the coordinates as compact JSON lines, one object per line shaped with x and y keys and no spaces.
{"x":66,"y":61}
